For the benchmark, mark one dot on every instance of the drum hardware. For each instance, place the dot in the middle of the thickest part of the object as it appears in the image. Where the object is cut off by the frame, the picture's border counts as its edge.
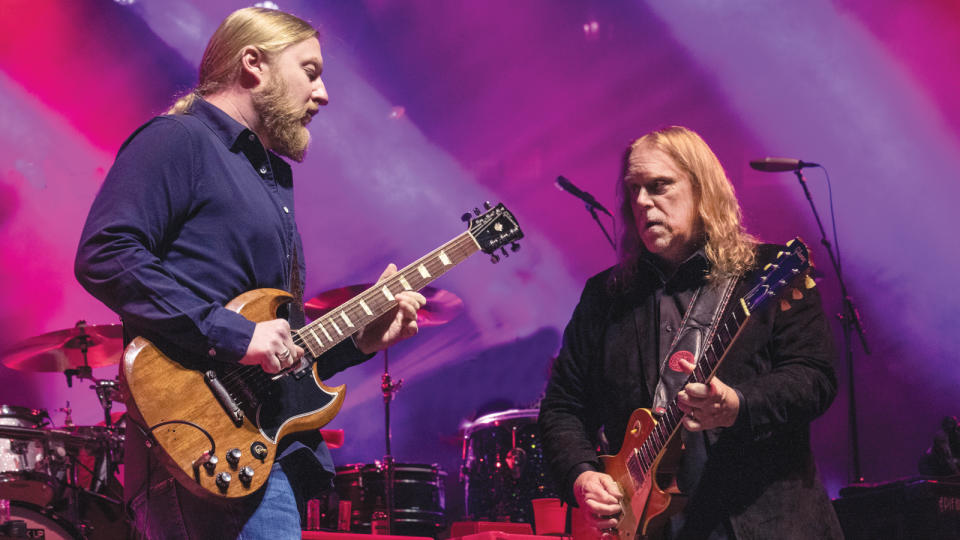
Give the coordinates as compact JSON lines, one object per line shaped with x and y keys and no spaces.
{"x":441,"y":307}
{"x":40,"y":464}
{"x":419,"y":498}
{"x":503,"y":466}
{"x":73,"y":351}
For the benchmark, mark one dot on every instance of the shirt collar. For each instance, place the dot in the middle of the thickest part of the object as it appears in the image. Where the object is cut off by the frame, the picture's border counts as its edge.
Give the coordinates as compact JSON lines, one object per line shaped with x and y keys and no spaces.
{"x":233,"y":134}
{"x":693,"y":268}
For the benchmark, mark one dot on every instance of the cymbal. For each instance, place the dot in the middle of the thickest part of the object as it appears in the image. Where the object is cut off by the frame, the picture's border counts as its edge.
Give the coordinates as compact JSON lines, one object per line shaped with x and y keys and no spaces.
{"x":442,"y":306}
{"x":61,"y":349}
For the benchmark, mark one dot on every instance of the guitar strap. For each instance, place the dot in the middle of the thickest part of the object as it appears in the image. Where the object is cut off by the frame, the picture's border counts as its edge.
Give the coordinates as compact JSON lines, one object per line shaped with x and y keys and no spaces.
{"x":699,"y":322}
{"x":297,"y":316}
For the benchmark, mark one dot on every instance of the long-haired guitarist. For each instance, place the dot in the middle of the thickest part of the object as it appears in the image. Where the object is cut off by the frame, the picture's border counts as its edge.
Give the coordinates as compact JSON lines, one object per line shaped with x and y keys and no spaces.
{"x":745,"y":464}
{"x":197,"y":209}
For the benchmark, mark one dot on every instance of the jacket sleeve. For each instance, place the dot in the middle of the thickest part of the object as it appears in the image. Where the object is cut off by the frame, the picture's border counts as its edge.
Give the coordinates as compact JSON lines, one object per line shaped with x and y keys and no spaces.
{"x":797,"y":383}
{"x":568,"y":418}
{"x":145,"y":196}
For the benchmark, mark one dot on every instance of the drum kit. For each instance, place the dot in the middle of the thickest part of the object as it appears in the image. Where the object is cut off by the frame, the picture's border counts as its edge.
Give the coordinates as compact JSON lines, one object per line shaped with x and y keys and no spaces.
{"x":503,"y":468}
{"x":61,"y":482}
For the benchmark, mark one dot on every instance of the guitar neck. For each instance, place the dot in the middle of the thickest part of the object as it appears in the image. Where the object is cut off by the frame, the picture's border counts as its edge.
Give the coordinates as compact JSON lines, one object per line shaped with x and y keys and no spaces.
{"x":667,"y":423}
{"x":347,"y":319}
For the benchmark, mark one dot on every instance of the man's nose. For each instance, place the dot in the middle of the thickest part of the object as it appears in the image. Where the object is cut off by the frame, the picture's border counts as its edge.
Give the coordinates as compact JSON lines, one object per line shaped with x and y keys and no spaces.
{"x":319,"y":94}
{"x":643,"y":198}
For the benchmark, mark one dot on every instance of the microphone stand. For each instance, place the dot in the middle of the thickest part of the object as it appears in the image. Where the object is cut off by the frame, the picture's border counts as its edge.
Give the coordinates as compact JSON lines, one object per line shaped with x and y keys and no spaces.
{"x":850,"y":321}
{"x":593,"y":212}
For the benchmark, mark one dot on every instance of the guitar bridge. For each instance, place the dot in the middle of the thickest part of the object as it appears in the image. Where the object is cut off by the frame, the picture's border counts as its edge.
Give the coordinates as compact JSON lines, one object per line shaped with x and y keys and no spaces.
{"x":226,"y":401}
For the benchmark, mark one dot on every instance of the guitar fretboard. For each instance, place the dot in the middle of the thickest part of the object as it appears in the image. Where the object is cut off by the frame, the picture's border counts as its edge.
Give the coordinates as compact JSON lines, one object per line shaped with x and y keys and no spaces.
{"x":347,"y":319}
{"x":644,"y":457}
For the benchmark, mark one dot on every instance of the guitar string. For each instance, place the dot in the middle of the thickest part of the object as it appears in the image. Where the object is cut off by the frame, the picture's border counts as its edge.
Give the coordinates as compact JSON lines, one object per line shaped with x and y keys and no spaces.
{"x":711,"y":360}
{"x":664,"y":429}
{"x":456,"y":247}
{"x":672,"y":411}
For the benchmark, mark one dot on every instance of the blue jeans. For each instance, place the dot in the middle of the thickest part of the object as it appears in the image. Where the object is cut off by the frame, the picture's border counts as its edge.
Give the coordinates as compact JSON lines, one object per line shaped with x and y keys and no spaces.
{"x":169,"y":511}
{"x":276,"y":516}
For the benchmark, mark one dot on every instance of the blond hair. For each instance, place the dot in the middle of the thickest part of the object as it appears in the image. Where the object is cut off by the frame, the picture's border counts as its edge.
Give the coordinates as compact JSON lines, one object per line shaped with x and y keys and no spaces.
{"x":728,"y":247}
{"x":268,"y":30}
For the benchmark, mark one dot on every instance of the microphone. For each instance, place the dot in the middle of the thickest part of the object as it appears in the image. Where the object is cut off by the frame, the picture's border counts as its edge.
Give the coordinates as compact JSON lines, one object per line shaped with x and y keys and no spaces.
{"x":780,"y":164}
{"x":566,"y":185}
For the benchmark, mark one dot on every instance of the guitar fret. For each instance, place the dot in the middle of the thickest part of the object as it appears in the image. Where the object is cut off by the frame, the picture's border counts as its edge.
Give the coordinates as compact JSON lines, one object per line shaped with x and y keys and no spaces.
{"x":362,"y":309}
{"x":386,"y":293}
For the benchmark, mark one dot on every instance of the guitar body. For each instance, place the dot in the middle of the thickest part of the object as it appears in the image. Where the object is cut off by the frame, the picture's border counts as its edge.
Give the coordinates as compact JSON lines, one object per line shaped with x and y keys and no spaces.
{"x":196,"y":408}
{"x":165,"y":390}
{"x":649,"y":503}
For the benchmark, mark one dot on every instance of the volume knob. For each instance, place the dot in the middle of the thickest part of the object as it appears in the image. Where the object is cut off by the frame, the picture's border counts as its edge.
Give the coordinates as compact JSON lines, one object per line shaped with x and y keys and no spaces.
{"x":233,"y":457}
{"x":223,"y":481}
{"x":246,"y":475}
{"x":211,"y":464}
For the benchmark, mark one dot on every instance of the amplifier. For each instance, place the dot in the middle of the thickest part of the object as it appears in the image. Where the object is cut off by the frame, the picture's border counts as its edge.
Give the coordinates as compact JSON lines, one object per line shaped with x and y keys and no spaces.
{"x":905,"y":509}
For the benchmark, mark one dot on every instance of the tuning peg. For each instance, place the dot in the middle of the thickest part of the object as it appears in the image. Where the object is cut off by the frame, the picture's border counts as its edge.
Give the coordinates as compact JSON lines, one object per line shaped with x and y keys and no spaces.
{"x":514,"y":247}
{"x":808,"y":282}
{"x":465,"y":217}
{"x":494,"y":258}
{"x":487,"y":205}
{"x":476,"y":211}
{"x":784,"y":305}
{"x":504,"y":251}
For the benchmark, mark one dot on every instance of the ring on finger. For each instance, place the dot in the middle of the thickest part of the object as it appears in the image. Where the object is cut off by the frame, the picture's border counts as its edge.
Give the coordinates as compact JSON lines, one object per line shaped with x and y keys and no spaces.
{"x":284,"y":354}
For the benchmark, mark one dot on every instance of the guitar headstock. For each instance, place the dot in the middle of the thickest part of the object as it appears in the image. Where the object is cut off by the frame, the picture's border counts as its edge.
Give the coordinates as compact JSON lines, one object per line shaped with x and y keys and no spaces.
{"x":791,"y":265}
{"x":494,"y":229}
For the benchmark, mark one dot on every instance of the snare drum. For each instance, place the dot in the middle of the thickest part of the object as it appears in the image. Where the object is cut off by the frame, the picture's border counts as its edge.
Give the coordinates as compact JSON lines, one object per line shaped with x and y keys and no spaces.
{"x":25,"y":461}
{"x":503,"y":466}
{"x":418,"y":497}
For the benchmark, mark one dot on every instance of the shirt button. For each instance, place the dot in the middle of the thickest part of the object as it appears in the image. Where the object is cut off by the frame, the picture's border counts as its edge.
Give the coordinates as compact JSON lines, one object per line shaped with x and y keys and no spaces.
{"x":286,"y":210}
{"x":212,"y":352}
{"x":263,"y":169}
{"x":251,"y":137}
{"x":668,"y":327}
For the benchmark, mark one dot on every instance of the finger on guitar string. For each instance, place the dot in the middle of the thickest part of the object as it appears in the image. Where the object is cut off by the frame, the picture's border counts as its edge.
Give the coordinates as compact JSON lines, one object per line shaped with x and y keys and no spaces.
{"x":269,"y":340}
{"x":598,"y":496}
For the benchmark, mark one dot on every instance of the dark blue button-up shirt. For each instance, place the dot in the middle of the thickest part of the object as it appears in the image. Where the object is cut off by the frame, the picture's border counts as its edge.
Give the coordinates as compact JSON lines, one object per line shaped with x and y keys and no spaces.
{"x":194,"y":212}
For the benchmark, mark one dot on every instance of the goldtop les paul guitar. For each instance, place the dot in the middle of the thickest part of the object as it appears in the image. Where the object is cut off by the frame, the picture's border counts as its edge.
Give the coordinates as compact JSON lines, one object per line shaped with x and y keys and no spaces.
{"x":651,"y":445}
{"x":217,"y":425}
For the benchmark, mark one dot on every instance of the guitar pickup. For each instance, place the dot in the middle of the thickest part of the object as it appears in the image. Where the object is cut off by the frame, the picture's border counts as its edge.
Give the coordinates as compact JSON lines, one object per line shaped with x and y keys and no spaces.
{"x":226,"y":401}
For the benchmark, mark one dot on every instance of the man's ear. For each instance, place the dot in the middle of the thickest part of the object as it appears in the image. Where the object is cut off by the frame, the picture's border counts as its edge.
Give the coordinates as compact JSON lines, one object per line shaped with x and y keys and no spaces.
{"x":252,"y":67}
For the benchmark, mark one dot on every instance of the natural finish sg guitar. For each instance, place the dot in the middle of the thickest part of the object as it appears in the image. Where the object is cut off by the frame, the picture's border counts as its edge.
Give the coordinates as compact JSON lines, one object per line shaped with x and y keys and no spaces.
{"x":651,"y":446}
{"x":218,"y":425}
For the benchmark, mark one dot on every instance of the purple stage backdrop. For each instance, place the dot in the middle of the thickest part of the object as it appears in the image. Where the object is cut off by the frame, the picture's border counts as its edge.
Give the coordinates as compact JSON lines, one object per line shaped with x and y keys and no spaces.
{"x":438,"y":106}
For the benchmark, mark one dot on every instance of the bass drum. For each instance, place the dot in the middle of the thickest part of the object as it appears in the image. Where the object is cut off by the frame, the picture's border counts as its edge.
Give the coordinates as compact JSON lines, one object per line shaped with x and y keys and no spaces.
{"x":28,"y":465}
{"x":418,"y":497}
{"x":503,"y":466}
{"x":41,"y":523}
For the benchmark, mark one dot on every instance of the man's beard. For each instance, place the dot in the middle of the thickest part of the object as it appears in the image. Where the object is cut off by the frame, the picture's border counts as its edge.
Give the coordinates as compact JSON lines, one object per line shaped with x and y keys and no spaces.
{"x":282,"y":123}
